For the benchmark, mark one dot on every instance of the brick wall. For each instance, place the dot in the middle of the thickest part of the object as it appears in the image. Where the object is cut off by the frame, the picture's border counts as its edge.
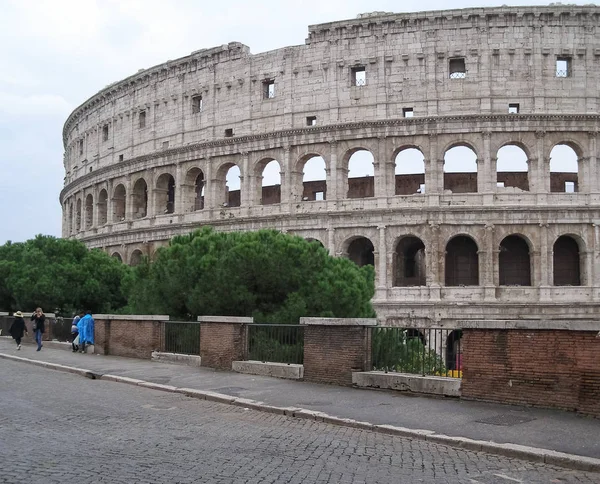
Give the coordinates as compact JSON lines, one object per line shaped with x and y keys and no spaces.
{"x":133,"y":338}
{"x":332,"y":353}
{"x":222,"y":343}
{"x":549,"y":368}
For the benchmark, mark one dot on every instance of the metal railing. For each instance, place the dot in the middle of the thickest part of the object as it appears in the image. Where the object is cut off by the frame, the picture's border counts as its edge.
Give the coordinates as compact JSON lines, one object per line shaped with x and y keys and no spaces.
{"x":5,"y":323}
{"x":182,"y":337}
{"x":61,"y":328}
{"x":276,"y":343}
{"x":458,"y":75}
{"x":420,"y":351}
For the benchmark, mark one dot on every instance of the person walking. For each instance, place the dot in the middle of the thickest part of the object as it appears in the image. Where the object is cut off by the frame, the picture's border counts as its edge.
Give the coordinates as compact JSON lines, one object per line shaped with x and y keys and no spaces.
{"x":86,"y":331}
{"x":39,"y":326}
{"x":17,"y":328}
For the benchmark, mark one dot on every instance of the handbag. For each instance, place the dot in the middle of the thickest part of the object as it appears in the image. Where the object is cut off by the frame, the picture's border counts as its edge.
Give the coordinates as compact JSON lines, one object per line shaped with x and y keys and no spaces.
{"x":34,"y":326}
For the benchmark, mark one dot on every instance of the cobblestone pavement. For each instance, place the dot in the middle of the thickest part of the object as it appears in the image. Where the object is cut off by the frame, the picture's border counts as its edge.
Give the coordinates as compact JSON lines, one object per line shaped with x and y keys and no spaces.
{"x":56,"y":427}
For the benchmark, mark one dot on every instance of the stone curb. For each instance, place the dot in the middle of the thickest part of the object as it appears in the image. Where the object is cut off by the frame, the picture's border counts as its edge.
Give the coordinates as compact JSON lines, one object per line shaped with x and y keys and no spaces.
{"x":532,"y":454}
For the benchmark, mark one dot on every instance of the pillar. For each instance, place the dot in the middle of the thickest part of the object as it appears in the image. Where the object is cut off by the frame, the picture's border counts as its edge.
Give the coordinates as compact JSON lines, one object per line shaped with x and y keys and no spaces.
{"x":333,"y":175}
{"x":286,"y":188}
{"x":223,"y":340}
{"x":382,"y":263}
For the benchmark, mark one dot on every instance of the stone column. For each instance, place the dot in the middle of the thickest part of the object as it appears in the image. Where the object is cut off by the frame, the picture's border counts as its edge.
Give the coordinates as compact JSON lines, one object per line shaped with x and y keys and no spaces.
{"x":223,"y":340}
{"x":179,"y":190}
{"x":485,"y":170}
{"x":594,"y":186}
{"x":333,"y":176}
{"x":381,"y":171}
{"x":286,"y":188}
{"x":246,"y":195}
{"x":595,"y":277}
{"x":432,"y":261}
{"x":381,"y":273}
{"x":331,"y":240}
{"x":542,"y":175}
{"x":95,"y":206}
{"x":209,"y":195}
{"x":488,"y":271}
{"x":544,"y":260}
{"x":128,"y":198}
{"x":323,"y":338}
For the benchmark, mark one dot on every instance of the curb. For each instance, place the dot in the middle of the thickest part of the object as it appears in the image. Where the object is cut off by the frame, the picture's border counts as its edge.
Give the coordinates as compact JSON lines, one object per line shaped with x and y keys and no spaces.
{"x":532,"y":454}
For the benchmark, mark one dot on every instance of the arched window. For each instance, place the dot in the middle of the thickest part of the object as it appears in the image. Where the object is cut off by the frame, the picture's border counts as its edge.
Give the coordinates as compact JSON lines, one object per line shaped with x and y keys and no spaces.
{"x":117,"y":256}
{"x":314,"y":179}
{"x":316,"y":241}
{"x":89,"y":211}
{"x":410,"y":263}
{"x":361,"y":172}
{"x":140,"y":199}
{"x":165,"y":194}
{"x":271,"y":183}
{"x":409,"y":172}
{"x":462,"y":262}
{"x":460,"y":170}
{"x":193,"y":190}
{"x":136,"y":257}
{"x":454,"y":350}
{"x":361,"y":252}
{"x":119,"y":197}
{"x":564,"y":169}
{"x":512,"y":168}
{"x":102,"y":207}
{"x":514,"y":263}
{"x":233,"y":187}
{"x":566,"y":259}
{"x":78,"y":215}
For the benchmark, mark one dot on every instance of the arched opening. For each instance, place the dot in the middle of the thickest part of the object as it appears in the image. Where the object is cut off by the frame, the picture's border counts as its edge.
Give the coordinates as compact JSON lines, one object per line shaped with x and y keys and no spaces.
{"x":89,"y":211}
{"x":564,"y":169}
{"x":315,"y":241}
{"x":136,"y":258}
{"x":165,"y":194}
{"x":454,"y":350}
{"x":271,"y":183}
{"x":78,"y":215}
{"x":314,"y":179}
{"x":361,"y":252}
{"x":232,"y":187}
{"x":117,"y":256}
{"x":70,"y":219}
{"x":410,"y":263}
{"x":462,"y":262}
{"x":514,"y":262}
{"x":193,"y":190}
{"x":119,"y":204}
{"x":460,"y":170}
{"x":409,"y":172}
{"x":512,"y":168}
{"x":140,"y":199}
{"x":412,"y":333}
{"x":567,"y":262}
{"x":102,"y":207}
{"x":361,"y":174}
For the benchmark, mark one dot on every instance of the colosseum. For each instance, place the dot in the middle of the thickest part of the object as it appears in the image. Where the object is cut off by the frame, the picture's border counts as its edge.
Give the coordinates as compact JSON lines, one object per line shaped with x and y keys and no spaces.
{"x":457,"y":151}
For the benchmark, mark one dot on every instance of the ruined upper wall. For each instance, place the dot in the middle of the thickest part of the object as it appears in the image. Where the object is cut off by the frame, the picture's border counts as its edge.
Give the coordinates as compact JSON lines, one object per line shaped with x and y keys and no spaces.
{"x":509,"y":54}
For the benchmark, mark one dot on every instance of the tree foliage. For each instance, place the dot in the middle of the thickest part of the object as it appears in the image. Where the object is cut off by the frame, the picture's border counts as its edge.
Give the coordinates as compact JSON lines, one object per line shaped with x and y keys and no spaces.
{"x":59,"y":274}
{"x":266,"y":274}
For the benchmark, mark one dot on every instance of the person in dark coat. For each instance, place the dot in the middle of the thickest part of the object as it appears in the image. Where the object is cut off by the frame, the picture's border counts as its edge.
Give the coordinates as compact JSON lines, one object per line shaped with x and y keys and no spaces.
{"x":17,"y":328}
{"x":39,"y":326}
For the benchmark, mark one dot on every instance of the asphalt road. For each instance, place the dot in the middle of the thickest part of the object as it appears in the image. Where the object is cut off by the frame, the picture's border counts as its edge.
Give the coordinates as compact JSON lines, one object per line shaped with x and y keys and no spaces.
{"x":57,"y":427}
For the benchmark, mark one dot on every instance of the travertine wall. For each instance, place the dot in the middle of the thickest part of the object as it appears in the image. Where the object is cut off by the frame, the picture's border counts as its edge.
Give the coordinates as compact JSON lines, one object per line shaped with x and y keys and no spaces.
{"x":510,"y":57}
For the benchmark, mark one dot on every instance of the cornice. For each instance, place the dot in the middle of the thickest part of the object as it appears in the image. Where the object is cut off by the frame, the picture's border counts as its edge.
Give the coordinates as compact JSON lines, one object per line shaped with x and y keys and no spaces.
{"x":429,"y":124}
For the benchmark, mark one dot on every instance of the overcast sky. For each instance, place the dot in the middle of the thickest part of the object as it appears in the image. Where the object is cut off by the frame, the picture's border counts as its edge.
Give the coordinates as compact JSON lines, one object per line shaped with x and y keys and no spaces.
{"x":57,"y":53}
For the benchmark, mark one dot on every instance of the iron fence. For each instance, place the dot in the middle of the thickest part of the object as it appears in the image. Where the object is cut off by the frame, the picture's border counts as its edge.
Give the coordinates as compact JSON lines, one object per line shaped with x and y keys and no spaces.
{"x":60,"y":328}
{"x":276,"y":343}
{"x":426,"y":351}
{"x":5,"y":323}
{"x":182,"y":337}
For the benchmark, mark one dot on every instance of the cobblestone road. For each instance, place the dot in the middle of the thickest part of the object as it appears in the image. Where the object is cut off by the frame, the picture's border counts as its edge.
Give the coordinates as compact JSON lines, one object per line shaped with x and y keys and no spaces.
{"x":57,"y":427}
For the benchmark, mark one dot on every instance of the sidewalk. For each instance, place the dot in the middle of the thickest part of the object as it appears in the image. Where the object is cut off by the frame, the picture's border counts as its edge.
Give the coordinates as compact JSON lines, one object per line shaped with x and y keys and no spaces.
{"x":544,"y":429}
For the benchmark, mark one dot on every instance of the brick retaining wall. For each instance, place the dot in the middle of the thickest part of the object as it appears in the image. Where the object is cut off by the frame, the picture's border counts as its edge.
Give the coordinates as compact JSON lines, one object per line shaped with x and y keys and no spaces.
{"x":551,"y":368}
{"x":222,"y":340}
{"x":131,"y":336}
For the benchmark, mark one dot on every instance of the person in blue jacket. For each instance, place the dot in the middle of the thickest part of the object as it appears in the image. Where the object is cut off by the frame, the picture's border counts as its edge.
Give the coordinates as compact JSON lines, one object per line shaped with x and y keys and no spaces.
{"x":86,"y":331}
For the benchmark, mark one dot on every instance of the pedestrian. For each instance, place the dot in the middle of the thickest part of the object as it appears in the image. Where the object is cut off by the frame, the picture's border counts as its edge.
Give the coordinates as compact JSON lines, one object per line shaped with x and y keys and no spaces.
{"x":39,"y":326}
{"x":86,"y":331}
{"x":75,"y":332}
{"x":17,"y":328}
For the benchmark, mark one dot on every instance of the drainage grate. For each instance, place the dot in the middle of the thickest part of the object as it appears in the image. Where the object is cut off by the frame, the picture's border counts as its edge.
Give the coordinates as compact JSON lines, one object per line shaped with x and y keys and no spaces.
{"x":505,"y":420}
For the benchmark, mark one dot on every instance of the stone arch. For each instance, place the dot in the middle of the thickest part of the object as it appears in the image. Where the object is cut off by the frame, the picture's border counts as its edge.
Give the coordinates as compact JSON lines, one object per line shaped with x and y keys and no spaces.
{"x":567,"y":261}
{"x":512,"y":166}
{"x":460,"y":168}
{"x":454,"y":350}
{"x":514,"y":261}
{"x":360,"y":165}
{"x":118,"y":200}
{"x":268,"y":173}
{"x":139,"y":199}
{"x":135,"y":258}
{"x":564,"y":167}
{"x":314,"y":240}
{"x":78,"y":215}
{"x":228,"y":185}
{"x":165,"y":194}
{"x":314,"y":177}
{"x":193,"y":190}
{"x":360,"y":250}
{"x":409,"y":262}
{"x":102,"y":207}
{"x":117,"y":256}
{"x":462,"y":262}
{"x":409,"y":171}
{"x":89,"y":211}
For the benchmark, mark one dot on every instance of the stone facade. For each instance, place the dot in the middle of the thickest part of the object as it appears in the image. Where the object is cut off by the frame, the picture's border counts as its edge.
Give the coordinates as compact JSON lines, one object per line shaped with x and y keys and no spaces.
{"x":147,"y":157}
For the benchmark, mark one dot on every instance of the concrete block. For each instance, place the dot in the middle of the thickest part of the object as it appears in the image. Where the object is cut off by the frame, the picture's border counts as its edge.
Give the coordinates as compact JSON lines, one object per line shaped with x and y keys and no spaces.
{"x":431,"y":385}
{"x":278,"y":370}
